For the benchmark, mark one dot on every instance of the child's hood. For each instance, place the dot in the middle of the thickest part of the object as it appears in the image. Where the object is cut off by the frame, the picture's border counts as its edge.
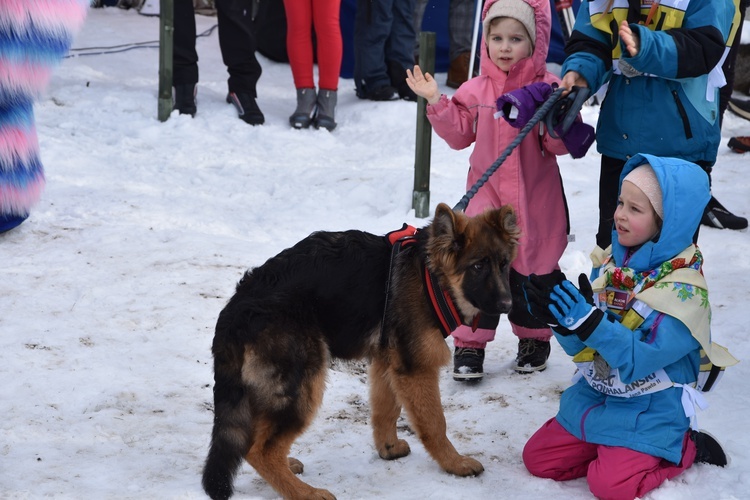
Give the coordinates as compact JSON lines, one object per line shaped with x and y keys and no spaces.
{"x":685,"y":193}
{"x":538,"y":59}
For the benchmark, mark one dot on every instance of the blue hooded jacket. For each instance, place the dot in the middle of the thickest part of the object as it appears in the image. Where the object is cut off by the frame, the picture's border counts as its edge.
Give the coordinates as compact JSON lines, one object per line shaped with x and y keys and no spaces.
{"x":668,"y":106}
{"x":654,"y":423}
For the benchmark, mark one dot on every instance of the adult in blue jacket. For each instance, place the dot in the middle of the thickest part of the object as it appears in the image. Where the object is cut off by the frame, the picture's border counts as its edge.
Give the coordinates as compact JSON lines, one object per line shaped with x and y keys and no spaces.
{"x":625,"y":422}
{"x":663,"y":69}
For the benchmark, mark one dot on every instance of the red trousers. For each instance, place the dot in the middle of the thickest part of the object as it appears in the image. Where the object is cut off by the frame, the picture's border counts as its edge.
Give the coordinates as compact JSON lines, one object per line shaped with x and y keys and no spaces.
{"x":301,"y":16}
{"x":612,"y":472}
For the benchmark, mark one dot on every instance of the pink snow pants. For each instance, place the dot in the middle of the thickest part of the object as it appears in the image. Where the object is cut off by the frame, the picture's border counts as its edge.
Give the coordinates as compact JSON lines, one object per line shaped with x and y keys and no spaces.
{"x":612,"y":472}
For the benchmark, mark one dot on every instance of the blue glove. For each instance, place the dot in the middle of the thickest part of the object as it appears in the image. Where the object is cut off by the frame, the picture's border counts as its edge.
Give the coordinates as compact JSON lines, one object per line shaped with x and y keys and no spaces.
{"x":518,"y":106}
{"x":572,"y":311}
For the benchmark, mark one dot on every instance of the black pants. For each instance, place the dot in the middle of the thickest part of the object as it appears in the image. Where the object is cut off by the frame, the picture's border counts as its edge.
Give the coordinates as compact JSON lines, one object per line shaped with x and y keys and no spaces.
{"x":236,"y":40}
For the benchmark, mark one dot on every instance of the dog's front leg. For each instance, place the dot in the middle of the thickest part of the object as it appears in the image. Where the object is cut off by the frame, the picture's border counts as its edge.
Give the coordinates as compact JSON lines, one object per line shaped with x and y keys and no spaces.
{"x":420,"y":394}
{"x":385,"y":410}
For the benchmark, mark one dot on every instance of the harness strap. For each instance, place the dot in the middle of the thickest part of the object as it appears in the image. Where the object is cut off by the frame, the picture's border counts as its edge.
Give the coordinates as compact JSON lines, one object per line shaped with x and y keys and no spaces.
{"x":399,"y":238}
{"x":442,"y":304}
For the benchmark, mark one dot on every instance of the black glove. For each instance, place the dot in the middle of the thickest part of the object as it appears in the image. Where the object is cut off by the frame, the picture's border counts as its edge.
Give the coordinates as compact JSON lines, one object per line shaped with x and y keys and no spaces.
{"x":584,"y":286}
{"x":537,"y":292}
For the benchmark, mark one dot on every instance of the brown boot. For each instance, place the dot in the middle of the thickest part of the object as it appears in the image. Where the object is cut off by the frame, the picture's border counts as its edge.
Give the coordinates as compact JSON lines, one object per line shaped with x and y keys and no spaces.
{"x":458,"y":72}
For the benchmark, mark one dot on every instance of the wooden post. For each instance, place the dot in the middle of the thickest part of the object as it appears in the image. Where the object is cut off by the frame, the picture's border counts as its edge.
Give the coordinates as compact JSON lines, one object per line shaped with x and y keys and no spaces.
{"x":166,"y":43}
{"x":421,"y":194}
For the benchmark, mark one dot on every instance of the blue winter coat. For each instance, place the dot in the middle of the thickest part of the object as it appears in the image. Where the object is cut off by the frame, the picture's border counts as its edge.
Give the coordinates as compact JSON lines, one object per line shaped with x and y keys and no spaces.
{"x":652,"y":423}
{"x":670,"y":109}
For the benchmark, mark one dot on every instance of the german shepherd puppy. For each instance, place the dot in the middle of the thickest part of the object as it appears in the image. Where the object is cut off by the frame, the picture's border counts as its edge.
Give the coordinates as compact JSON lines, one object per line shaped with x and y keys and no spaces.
{"x":342,"y":294}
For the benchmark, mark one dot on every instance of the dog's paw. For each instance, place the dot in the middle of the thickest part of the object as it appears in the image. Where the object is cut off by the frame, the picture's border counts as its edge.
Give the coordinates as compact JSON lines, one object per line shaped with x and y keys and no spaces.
{"x":393,"y":451}
{"x":296,"y":466}
{"x":466,"y":466}
{"x":321,"y":494}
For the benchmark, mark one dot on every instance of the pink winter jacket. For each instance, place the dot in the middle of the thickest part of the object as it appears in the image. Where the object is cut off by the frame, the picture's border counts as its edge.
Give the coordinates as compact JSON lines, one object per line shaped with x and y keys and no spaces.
{"x":529,"y":178}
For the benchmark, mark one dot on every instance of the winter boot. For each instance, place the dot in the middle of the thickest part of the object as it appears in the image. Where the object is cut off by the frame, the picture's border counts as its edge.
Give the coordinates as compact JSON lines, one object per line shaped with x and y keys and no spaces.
{"x":382,"y":93}
{"x":397,"y":74}
{"x":326,"y":110}
{"x":739,"y":144}
{"x":739,"y":107}
{"x":303,"y":115}
{"x":458,"y":72}
{"x":247,"y":108}
{"x":715,"y":215}
{"x":532,"y":355}
{"x":707,"y":449}
{"x":468,"y":364}
{"x":183,"y":99}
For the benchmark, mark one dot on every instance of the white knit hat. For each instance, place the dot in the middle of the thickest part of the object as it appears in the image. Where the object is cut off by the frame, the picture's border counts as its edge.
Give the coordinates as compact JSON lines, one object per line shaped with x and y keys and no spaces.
{"x":644,"y":178}
{"x":518,"y":10}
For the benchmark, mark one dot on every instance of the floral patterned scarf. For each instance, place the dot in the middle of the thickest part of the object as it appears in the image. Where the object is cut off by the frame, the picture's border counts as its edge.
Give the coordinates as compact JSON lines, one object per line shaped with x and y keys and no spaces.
{"x":677,"y":288}
{"x":624,"y":278}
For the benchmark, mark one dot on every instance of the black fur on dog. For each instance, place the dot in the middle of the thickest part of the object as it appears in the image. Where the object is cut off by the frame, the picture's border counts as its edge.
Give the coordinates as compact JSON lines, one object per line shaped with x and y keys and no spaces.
{"x":325,"y":297}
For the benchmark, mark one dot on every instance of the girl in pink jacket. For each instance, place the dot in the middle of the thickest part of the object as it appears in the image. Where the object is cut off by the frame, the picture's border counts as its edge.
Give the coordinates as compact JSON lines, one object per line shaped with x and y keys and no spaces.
{"x":515,"y":44}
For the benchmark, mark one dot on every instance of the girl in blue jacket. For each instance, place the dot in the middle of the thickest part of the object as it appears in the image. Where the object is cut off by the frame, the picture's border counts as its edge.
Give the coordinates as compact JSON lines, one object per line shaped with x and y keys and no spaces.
{"x":625,"y":422}
{"x":662,"y":64}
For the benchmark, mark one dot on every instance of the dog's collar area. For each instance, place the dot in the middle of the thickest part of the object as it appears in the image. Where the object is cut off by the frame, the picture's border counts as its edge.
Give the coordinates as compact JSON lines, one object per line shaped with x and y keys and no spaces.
{"x":442,"y":304}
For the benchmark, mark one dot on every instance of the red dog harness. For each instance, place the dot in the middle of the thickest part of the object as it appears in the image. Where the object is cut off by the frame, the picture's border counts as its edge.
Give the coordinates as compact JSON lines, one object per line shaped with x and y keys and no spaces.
{"x":442,"y":303}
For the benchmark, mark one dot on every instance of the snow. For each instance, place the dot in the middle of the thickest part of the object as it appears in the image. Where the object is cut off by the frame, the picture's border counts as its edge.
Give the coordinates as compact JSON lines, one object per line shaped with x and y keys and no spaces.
{"x":110,"y":291}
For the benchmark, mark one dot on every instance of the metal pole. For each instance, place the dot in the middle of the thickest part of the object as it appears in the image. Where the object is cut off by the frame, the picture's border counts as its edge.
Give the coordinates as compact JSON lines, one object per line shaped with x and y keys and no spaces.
{"x":475,"y":36}
{"x":166,"y":41}
{"x":421,"y":194}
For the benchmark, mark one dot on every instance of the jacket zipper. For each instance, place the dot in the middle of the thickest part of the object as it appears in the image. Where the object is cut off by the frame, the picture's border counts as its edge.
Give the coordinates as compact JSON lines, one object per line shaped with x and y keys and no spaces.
{"x":683,"y":115}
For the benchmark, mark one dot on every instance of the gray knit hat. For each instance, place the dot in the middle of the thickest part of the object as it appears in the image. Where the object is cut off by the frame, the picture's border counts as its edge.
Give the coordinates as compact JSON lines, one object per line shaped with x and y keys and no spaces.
{"x":518,"y":10}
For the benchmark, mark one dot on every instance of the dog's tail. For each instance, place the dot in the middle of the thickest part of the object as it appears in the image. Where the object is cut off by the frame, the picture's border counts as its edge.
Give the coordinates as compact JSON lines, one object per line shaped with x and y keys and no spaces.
{"x":229,"y":444}
{"x":230,"y":438}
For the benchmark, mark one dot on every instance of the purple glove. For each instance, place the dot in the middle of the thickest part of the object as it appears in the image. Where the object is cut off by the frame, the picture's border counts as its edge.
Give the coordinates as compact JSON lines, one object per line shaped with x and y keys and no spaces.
{"x":579,"y":138}
{"x":518,"y":106}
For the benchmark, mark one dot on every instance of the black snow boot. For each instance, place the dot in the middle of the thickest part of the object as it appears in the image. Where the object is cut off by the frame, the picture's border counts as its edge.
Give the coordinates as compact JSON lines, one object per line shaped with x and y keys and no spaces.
{"x":183,"y":99}
{"x":715,"y":215}
{"x":247,"y":108}
{"x":708,"y":449}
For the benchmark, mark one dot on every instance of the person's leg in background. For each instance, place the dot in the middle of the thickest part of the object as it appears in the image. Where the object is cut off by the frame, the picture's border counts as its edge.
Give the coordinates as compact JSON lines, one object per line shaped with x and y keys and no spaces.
{"x":716,"y":215}
{"x":330,"y":53}
{"x":372,"y":27}
{"x":460,"y":31}
{"x":299,"y":46}
{"x":184,"y":58}
{"x":399,"y":48}
{"x":609,"y":180}
{"x":237,"y":43}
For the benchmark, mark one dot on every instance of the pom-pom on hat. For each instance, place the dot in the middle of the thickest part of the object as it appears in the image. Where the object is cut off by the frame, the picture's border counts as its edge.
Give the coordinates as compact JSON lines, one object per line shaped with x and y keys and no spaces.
{"x":644,"y":178}
{"x":518,"y":10}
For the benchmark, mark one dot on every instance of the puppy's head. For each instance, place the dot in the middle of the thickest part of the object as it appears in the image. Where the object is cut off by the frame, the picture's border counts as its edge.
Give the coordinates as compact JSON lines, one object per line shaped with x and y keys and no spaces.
{"x":471,"y":257}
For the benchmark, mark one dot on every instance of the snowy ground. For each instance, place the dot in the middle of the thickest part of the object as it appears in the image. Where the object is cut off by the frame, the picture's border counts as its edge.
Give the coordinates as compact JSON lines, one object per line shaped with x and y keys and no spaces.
{"x":110,"y":291}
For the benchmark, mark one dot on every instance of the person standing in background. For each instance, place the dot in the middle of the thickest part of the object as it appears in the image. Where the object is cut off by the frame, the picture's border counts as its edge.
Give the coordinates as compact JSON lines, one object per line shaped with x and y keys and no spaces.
{"x":384,"y":40}
{"x":314,"y":108}
{"x":663,"y":70}
{"x":460,"y":32}
{"x":34,"y":37}
{"x":237,"y":43}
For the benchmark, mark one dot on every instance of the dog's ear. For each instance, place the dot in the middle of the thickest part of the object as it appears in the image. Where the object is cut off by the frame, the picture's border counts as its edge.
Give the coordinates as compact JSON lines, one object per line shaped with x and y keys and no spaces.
{"x":447,"y":229}
{"x":504,"y":219}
